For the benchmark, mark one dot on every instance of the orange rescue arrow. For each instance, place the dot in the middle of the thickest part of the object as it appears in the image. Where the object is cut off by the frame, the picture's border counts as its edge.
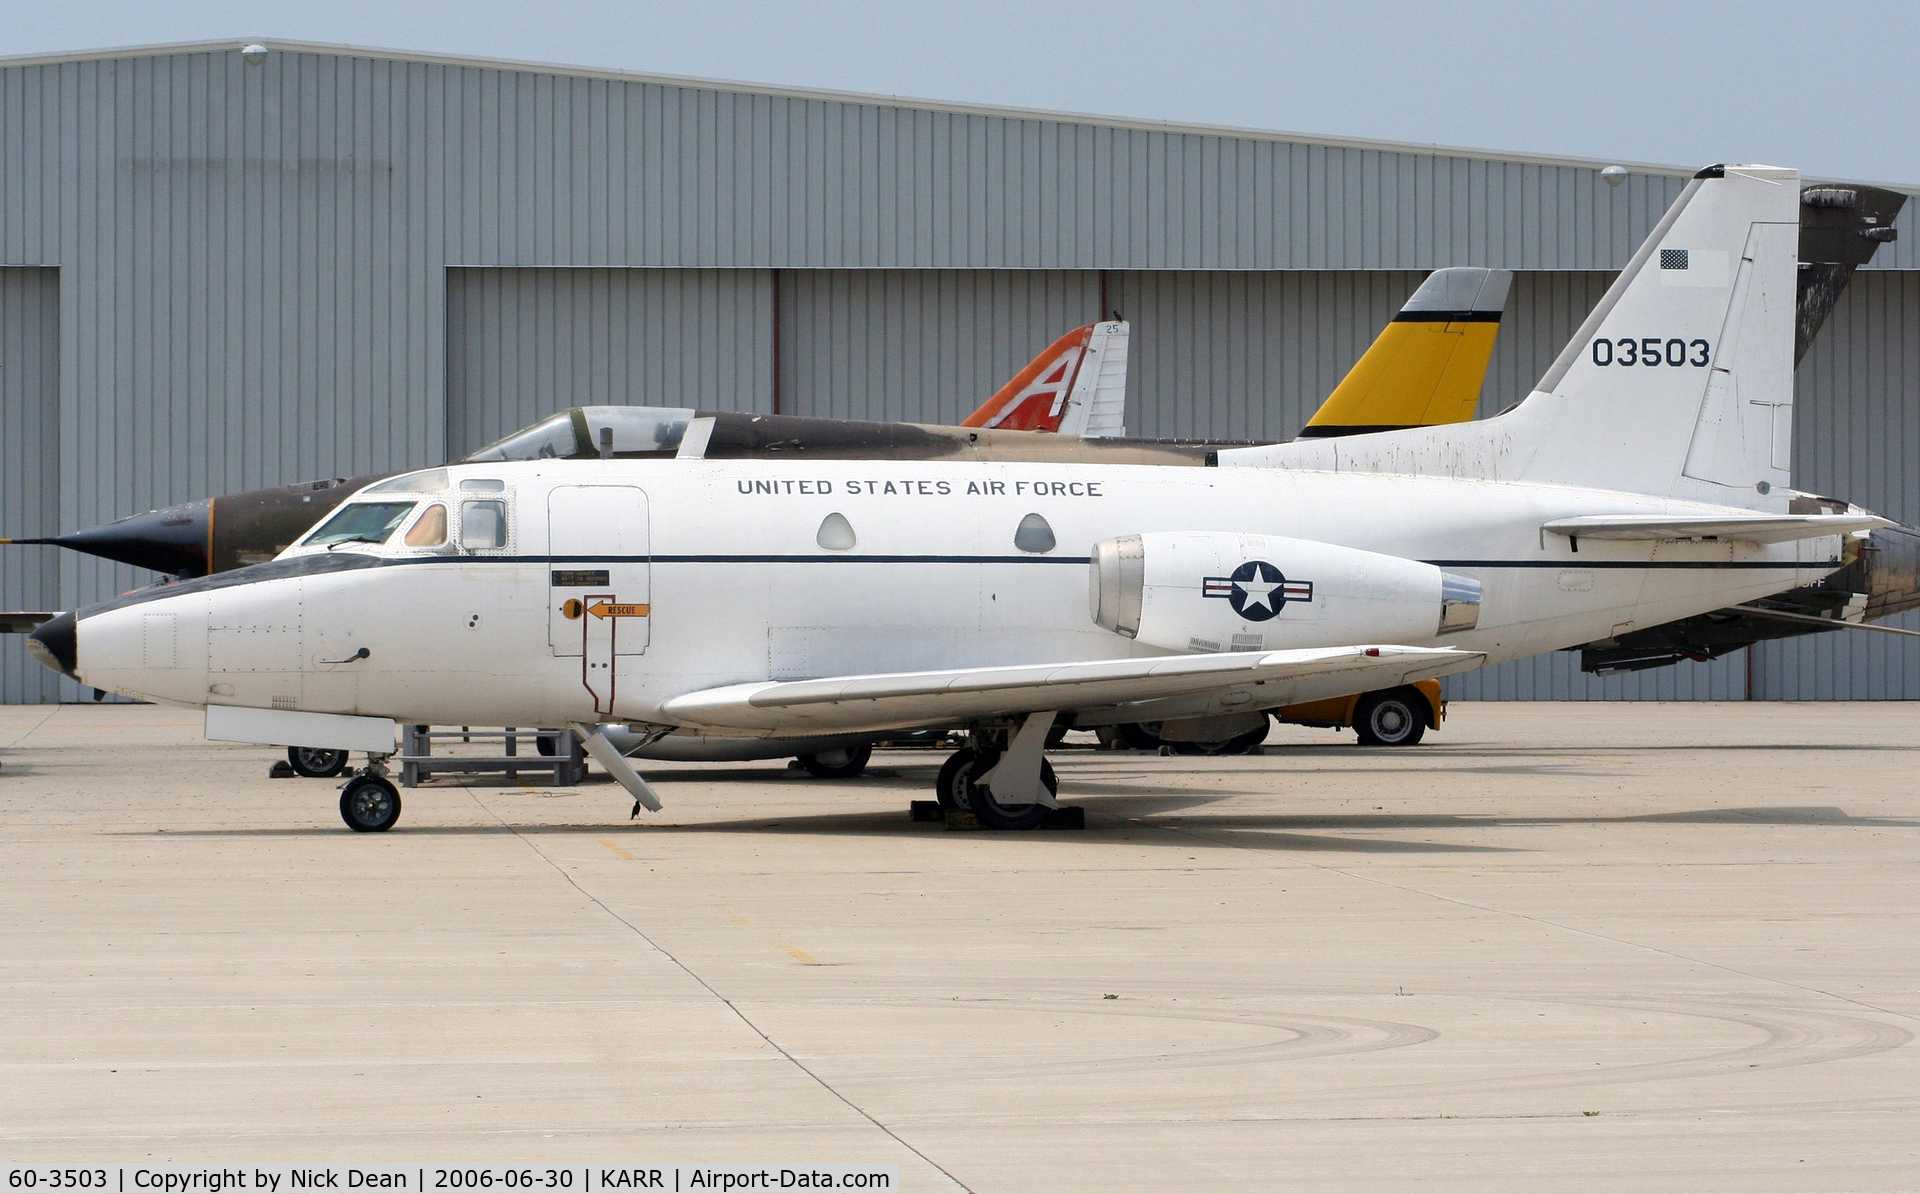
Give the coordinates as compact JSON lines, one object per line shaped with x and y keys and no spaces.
{"x":607,"y":609}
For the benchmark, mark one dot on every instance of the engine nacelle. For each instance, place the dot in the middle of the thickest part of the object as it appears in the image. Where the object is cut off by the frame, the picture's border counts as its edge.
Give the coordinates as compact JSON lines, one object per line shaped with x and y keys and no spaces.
{"x":1222,"y":591}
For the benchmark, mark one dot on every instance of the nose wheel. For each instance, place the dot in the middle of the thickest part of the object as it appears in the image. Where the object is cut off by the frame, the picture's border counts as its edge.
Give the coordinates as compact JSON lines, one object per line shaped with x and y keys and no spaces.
{"x":369,"y":803}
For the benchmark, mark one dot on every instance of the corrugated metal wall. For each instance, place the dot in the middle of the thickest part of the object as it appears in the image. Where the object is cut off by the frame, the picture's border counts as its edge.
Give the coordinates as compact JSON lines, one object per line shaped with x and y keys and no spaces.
{"x":29,"y":465}
{"x":523,"y":343}
{"x":1857,"y":436}
{"x":925,"y":346}
{"x":1246,"y":355}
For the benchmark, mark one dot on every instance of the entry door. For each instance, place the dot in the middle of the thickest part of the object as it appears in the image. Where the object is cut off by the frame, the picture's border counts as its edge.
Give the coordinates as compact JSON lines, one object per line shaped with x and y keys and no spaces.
{"x":599,"y":605}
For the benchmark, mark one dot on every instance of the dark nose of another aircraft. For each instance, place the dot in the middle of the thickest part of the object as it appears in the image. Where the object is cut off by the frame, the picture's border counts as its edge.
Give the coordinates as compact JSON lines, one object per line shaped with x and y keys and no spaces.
{"x":54,"y":644}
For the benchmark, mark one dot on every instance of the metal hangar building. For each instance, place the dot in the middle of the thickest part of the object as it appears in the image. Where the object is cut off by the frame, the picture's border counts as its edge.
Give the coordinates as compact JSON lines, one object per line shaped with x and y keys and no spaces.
{"x":220,"y":272}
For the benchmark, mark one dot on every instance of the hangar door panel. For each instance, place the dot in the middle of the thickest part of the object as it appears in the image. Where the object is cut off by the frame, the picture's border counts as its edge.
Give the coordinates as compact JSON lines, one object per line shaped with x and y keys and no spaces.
{"x":924,"y":346}
{"x":29,"y":470}
{"x":523,"y":343}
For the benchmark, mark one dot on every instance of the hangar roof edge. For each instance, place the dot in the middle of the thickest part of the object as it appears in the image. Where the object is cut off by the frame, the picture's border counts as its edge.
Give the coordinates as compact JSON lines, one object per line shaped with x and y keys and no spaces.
{"x":957,"y":107}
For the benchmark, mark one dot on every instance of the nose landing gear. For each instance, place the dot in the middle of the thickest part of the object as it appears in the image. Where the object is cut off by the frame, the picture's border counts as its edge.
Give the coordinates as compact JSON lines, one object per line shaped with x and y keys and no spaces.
{"x":369,"y":803}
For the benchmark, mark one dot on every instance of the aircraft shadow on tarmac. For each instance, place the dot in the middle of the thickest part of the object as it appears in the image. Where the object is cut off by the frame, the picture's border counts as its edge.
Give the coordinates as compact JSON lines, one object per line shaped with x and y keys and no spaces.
{"x":1117,"y":814}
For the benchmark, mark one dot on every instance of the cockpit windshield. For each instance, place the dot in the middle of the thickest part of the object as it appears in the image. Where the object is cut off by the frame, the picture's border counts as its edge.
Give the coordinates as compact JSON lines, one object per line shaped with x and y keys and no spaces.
{"x":543,"y":441}
{"x":363,"y":522}
{"x":578,"y":432}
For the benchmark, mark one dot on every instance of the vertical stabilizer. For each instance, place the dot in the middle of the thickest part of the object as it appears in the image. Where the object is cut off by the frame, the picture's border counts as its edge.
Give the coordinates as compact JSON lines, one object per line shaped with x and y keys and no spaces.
{"x":1679,"y":384}
{"x":1427,"y":366}
{"x":1077,"y":386}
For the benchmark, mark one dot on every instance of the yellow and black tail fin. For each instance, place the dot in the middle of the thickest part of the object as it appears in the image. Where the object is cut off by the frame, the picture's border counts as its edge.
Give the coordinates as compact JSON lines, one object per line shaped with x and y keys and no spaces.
{"x":1427,"y":366}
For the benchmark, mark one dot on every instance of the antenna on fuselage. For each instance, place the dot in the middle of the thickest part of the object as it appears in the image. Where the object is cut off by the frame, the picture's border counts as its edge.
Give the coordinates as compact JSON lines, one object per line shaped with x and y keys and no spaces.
{"x":606,"y":443}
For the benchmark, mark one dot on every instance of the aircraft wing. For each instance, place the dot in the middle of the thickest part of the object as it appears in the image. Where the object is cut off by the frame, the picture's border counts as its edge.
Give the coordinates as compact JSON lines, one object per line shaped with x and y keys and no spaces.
{"x":1753,"y":528}
{"x":22,"y":621}
{"x":898,"y":699}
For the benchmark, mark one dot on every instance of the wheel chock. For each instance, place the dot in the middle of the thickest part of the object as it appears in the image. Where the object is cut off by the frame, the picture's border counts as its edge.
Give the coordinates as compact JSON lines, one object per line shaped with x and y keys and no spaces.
{"x":282,"y":770}
{"x":1067,"y":816}
{"x":924,"y":810}
{"x":961,"y":818}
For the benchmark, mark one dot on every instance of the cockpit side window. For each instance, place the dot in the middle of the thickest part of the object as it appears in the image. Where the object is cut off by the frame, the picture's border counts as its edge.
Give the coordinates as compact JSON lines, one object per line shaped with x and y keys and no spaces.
{"x":360,"y":522}
{"x":430,"y":529}
{"x":483,"y":525}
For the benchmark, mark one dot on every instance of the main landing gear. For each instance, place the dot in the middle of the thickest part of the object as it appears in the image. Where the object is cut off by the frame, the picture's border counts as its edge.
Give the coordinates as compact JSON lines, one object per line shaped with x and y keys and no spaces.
{"x":1002,"y":777}
{"x":845,"y":762}
{"x":316,"y":762}
{"x":369,"y":803}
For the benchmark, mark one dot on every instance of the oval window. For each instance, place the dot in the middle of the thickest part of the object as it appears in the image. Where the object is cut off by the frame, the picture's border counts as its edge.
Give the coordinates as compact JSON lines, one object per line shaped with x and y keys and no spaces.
{"x":836,"y":533}
{"x":1033,"y":535}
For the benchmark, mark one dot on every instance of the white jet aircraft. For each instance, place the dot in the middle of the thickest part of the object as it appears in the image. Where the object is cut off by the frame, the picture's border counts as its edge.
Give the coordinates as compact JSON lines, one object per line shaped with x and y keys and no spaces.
{"x":1645,"y":480}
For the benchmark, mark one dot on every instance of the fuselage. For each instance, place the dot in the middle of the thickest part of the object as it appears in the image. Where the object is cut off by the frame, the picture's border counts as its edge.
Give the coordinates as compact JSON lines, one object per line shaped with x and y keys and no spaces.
{"x":612,"y":586}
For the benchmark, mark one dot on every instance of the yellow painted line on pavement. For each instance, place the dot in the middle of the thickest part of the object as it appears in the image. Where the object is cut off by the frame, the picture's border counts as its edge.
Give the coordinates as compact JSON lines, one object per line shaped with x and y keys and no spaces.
{"x":615,"y":848}
{"x":793,"y":951}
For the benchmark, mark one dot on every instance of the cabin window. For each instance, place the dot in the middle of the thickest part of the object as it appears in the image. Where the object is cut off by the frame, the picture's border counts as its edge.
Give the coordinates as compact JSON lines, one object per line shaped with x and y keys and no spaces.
{"x":360,"y":522}
{"x":483,"y":485}
{"x":483,"y":525}
{"x":430,"y":529}
{"x":836,"y":533}
{"x":1033,"y":534}
{"x":433,"y":480}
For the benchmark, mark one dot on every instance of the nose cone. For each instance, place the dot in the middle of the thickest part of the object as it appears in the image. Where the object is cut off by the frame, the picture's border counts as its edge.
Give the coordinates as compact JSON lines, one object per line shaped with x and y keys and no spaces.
{"x":173,"y":540}
{"x":56,"y":645}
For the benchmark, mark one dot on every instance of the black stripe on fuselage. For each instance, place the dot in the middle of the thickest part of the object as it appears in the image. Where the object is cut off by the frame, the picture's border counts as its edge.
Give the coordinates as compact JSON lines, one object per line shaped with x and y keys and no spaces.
{"x":1650,"y":565}
{"x":331,"y":562}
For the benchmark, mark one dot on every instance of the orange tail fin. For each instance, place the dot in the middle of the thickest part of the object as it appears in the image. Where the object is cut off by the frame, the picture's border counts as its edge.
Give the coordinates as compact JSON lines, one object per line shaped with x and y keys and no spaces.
{"x":1077,"y":387}
{"x":1036,"y":398}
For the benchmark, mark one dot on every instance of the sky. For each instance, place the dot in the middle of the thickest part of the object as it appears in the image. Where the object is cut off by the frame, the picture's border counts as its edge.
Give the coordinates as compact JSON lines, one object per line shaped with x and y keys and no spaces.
{"x":1826,"y":86}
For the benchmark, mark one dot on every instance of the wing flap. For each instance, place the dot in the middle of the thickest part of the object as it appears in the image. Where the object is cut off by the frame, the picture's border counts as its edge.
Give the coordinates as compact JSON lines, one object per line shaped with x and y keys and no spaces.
{"x":1755,"y":528}
{"x":894,"y":700}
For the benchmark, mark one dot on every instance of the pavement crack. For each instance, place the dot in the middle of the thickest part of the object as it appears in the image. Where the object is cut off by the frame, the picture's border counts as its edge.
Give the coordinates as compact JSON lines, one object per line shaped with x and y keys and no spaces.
{"x":729,"y":1004}
{"x":33,"y":729}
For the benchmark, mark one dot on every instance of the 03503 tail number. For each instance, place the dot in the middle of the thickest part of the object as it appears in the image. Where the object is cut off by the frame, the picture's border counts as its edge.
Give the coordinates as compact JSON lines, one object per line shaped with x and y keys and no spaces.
{"x":1651,"y":350}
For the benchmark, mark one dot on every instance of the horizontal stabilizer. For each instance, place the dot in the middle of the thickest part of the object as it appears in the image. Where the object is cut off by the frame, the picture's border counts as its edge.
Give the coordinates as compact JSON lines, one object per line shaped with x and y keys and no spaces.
{"x":1757,"y":528}
{"x":898,"y":699}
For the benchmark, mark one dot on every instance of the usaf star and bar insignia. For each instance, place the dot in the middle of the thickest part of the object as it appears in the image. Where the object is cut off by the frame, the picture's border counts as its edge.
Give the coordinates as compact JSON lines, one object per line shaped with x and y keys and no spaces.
{"x":1257,"y":590}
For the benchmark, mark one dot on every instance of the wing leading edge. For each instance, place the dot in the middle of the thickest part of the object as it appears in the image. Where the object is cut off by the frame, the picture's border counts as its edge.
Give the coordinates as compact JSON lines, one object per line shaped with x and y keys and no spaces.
{"x":901,"y":699}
